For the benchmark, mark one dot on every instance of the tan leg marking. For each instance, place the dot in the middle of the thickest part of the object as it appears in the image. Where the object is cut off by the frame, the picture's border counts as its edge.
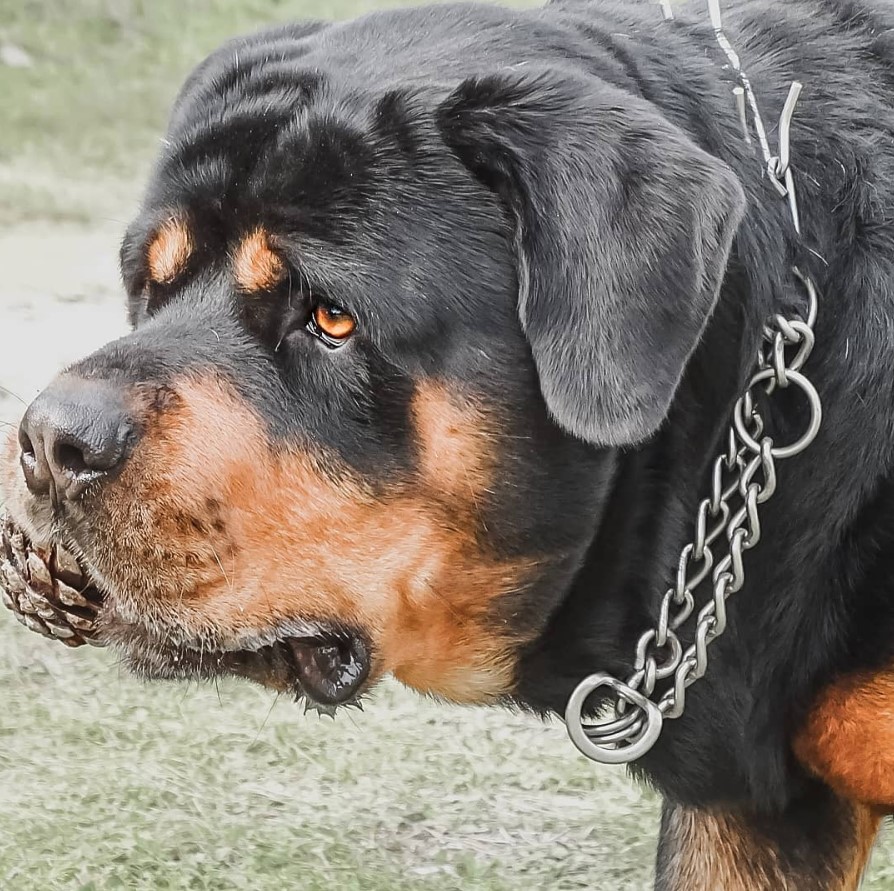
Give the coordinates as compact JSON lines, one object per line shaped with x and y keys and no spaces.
{"x":848,"y":738}
{"x":717,"y":851}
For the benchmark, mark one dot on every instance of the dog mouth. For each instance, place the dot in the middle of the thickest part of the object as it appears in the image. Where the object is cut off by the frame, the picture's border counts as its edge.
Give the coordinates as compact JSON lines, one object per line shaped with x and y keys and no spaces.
{"x":52,"y":593}
{"x":325,"y":670}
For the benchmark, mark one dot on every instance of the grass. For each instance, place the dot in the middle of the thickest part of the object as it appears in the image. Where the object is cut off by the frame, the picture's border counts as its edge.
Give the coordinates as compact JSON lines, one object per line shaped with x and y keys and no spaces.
{"x":93,"y":103}
{"x":106,"y":783}
{"x":111,"y":784}
{"x":105,"y":71}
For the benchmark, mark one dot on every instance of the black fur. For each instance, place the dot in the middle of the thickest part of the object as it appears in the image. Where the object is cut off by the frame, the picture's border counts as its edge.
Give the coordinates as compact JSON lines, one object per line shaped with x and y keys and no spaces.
{"x":556,"y":209}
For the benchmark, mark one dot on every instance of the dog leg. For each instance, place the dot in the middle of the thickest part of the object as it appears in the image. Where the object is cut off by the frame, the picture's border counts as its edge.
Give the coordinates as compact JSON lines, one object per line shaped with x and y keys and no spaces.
{"x":820,"y":845}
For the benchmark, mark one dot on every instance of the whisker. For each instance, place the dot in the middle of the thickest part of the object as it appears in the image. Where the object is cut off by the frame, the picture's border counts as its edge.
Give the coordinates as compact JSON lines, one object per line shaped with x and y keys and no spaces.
{"x":223,"y":571}
{"x":14,"y":395}
{"x":266,"y":718}
{"x":444,"y":600}
{"x":304,"y":280}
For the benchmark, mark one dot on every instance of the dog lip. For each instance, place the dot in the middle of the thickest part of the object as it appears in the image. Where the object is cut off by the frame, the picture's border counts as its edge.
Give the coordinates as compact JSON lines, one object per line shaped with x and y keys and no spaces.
{"x":328,"y":668}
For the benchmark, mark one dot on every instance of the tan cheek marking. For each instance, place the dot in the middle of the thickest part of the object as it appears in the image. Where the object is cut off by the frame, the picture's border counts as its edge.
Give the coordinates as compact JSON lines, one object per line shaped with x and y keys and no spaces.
{"x":256,"y":266}
{"x":169,"y":251}
{"x":296,"y":543}
{"x":710,"y":851}
{"x":848,"y":738}
{"x":454,"y":441}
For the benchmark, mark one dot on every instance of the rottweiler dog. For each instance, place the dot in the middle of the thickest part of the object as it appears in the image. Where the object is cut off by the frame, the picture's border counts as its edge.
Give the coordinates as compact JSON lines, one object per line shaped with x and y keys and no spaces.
{"x":438,"y":321}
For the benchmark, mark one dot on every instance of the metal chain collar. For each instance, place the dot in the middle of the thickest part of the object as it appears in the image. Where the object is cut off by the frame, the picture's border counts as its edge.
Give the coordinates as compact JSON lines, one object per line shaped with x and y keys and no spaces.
{"x":728,"y":522}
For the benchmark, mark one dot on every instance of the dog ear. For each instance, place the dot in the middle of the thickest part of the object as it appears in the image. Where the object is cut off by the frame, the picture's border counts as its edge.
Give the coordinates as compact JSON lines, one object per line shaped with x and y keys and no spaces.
{"x":623,"y":228}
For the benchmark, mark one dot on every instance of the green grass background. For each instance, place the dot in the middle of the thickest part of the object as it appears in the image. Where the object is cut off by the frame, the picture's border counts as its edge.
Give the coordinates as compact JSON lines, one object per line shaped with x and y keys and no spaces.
{"x":106,"y":783}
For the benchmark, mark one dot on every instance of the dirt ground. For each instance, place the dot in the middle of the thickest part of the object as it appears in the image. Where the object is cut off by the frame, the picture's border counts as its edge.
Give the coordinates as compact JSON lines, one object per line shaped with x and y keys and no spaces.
{"x":59,"y":299}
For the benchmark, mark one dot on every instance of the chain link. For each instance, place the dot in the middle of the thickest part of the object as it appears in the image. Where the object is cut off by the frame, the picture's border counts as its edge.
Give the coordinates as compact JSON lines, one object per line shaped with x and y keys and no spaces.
{"x":743,"y":477}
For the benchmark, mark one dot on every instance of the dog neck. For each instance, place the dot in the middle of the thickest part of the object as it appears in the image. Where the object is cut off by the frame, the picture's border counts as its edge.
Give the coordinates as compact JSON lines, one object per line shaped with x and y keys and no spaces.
{"x":649,"y":515}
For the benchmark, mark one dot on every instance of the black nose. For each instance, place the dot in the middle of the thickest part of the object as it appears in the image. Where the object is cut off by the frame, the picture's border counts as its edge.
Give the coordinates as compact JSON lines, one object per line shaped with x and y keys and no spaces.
{"x":76,"y":432}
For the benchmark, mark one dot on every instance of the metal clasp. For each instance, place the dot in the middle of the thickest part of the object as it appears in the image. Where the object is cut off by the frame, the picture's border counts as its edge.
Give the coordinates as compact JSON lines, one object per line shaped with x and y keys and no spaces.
{"x":601,"y":742}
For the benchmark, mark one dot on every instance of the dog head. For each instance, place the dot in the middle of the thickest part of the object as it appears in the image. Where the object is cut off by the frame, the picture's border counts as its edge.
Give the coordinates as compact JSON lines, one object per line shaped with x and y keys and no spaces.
{"x":396,"y":302}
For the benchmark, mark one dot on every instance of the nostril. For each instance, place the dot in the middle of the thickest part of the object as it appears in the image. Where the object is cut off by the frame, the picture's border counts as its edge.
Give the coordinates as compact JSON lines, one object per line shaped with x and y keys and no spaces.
{"x":33,"y":463}
{"x":25,"y":444}
{"x":71,"y":458}
{"x":99,"y":449}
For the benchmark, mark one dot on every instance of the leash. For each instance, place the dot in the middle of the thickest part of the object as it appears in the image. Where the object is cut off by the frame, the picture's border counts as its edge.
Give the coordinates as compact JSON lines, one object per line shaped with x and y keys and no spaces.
{"x":728,"y":522}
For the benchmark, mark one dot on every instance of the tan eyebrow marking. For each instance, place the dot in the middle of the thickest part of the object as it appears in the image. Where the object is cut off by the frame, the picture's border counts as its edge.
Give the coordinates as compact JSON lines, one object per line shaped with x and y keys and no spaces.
{"x":169,"y":251}
{"x":256,"y":266}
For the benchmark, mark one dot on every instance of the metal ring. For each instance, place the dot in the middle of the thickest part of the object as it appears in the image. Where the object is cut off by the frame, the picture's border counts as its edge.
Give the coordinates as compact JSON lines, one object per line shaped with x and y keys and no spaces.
{"x":688,"y":605}
{"x":816,"y":416}
{"x":779,"y":367}
{"x":612,"y":737}
{"x":634,"y":749}
{"x":669,"y":666}
{"x":769,"y":486}
{"x":790,"y":335}
{"x":717,"y":529}
{"x":620,"y":728}
{"x":684,"y":581}
{"x":701,"y":529}
{"x":792,"y":199}
{"x":774,"y":169}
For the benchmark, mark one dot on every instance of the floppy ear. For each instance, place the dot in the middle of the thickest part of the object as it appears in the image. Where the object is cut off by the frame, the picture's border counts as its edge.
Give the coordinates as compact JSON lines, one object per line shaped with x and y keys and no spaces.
{"x":623,"y":230}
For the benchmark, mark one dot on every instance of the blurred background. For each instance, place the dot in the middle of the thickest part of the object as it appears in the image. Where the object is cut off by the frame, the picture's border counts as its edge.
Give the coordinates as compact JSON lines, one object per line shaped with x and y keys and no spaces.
{"x":107,"y":783}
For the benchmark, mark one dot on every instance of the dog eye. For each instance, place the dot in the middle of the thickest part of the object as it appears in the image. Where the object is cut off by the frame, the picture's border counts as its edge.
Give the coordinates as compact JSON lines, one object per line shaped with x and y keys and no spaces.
{"x":331,"y":324}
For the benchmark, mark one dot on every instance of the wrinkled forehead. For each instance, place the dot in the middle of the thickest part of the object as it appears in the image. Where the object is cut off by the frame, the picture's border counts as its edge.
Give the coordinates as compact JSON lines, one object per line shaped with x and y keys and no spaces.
{"x":352,"y":194}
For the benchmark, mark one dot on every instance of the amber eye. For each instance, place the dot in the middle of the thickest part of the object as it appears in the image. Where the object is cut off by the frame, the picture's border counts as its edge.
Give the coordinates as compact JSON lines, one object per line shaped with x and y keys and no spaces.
{"x":333,"y":324}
